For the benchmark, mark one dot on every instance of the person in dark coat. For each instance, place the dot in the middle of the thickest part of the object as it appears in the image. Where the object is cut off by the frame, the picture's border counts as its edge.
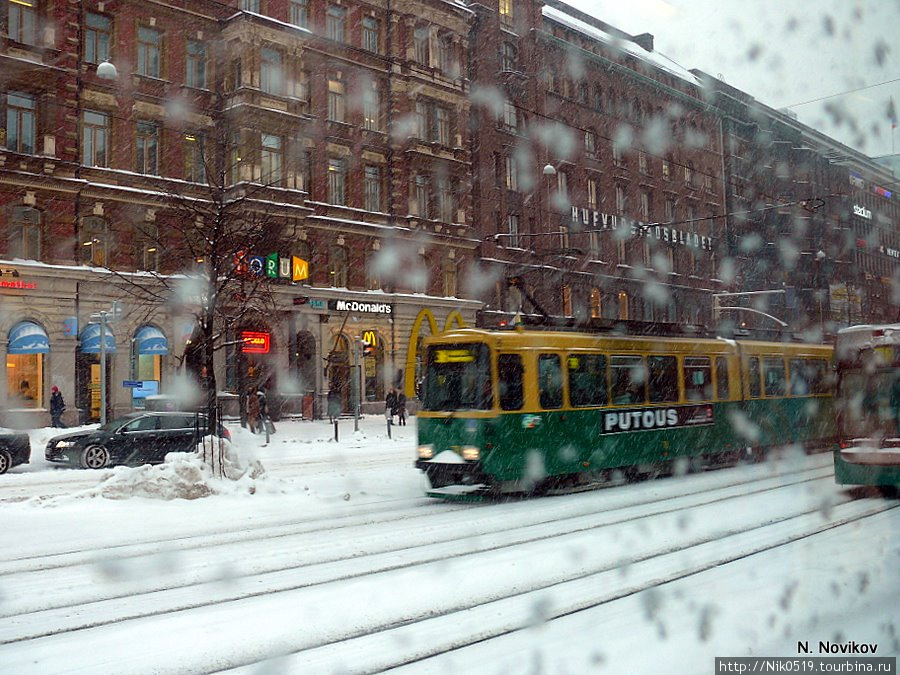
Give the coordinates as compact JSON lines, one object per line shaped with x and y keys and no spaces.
{"x":390,"y":404}
{"x":264,"y":421}
{"x":253,"y":411}
{"x":401,"y":408}
{"x":57,"y":408}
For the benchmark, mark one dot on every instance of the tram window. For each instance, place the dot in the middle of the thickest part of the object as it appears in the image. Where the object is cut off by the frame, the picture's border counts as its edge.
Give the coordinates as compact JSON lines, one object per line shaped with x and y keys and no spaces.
{"x":587,"y":379}
{"x":663,"y":379}
{"x":550,"y":381}
{"x":509,"y":370}
{"x":755,"y":391}
{"x":721,"y":378}
{"x":773,"y":369}
{"x":697,"y":378}
{"x":629,"y":379}
{"x":808,"y":377}
{"x":458,"y":377}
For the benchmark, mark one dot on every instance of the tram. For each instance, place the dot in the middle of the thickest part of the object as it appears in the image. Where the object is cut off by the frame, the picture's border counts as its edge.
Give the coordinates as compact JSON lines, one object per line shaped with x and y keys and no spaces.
{"x":524,"y":410}
{"x":867,"y":363}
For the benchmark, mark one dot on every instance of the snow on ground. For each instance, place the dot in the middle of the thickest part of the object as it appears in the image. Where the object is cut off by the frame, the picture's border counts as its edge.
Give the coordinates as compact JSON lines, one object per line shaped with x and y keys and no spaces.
{"x":169,"y":522}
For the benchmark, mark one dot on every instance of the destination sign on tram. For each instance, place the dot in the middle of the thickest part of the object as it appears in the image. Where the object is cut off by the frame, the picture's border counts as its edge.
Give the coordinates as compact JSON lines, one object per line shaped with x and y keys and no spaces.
{"x":453,"y":356}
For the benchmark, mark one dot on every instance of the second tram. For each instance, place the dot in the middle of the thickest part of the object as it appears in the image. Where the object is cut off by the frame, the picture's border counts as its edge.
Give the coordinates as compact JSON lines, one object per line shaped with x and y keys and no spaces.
{"x":867,"y":363}
{"x":523,"y":410}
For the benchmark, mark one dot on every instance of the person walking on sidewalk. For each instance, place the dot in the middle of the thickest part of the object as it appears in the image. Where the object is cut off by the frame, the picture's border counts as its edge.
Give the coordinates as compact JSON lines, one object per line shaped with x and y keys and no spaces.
{"x":57,"y":408}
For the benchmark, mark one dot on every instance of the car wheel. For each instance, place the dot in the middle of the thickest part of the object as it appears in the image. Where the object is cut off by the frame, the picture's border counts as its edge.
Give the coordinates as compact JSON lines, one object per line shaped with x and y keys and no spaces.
{"x":95,"y":457}
{"x":5,"y":461}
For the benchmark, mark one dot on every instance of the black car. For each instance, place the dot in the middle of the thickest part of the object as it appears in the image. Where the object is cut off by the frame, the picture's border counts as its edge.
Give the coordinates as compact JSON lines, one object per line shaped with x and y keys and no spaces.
{"x":136,"y":438}
{"x":15,"y":449}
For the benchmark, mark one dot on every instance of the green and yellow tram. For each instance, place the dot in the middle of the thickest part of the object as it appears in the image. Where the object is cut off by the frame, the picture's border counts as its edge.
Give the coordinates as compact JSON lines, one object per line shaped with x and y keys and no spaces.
{"x":522,"y":410}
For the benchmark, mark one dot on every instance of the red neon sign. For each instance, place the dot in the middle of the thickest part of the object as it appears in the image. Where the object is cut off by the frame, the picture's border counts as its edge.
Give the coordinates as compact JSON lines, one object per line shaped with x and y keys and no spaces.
{"x":255,"y":342}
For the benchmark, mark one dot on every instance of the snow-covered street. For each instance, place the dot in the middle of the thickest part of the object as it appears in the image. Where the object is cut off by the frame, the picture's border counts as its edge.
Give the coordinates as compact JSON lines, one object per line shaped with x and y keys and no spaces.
{"x":338,"y":563}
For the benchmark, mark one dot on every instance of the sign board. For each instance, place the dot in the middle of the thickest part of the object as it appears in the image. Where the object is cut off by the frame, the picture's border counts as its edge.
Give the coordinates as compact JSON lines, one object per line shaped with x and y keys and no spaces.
{"x":132,"y":384}
{"x":255,"y":342}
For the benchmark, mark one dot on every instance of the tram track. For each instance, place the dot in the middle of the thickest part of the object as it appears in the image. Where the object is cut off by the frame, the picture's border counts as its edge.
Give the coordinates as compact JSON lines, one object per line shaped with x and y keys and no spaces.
{"x":425,"y":549}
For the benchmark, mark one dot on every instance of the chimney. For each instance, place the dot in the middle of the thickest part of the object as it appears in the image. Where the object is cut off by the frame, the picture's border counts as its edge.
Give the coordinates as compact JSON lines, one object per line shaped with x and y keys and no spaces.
{"x":644,"y":40}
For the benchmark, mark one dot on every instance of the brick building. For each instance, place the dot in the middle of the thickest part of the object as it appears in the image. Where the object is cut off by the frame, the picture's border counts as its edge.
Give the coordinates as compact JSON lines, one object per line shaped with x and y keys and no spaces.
{"x":417,"y":155}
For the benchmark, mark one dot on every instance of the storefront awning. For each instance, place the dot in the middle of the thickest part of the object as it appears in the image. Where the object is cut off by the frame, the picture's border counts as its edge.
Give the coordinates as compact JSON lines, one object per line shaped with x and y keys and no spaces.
{"x":27,"y":337}
{"x":90,"y":339}
{"x":150,"y":340}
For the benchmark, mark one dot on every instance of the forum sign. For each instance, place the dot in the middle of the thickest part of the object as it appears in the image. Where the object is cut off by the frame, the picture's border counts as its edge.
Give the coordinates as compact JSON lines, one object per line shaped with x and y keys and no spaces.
{"x":273,"y":266}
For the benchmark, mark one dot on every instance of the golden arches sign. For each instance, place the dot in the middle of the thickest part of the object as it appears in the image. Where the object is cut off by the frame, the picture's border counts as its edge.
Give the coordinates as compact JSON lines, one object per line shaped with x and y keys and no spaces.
{"x":425,"y":314}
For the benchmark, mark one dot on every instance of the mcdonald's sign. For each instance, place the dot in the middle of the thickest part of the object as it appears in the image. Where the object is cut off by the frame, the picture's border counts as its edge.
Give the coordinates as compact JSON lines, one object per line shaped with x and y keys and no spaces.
{"x":254,"y":342}
{"x":369,"y":342}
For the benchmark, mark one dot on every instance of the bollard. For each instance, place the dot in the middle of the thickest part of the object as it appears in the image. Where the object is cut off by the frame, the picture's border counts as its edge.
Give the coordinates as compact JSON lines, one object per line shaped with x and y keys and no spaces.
{"x":335,"y":430}
{"x":389,"y":425}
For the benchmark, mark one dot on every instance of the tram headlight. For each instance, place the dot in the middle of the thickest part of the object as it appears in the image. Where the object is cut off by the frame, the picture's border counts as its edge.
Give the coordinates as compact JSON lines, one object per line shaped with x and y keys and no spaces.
{"x":426,"y":451}
{"x":471,"y":452}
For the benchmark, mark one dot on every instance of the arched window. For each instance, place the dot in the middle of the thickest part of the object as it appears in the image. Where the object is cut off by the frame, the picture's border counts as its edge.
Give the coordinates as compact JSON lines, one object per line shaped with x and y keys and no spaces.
{"x":94,"y":241}
{"x":26,"y":346}
{"x":337,"y":266}
{"x":595,"y":303}
{"x":25,"y":233}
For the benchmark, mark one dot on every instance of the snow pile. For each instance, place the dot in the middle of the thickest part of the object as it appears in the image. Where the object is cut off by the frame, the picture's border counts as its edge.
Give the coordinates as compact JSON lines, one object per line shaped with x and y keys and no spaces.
{"x":212,"y":470}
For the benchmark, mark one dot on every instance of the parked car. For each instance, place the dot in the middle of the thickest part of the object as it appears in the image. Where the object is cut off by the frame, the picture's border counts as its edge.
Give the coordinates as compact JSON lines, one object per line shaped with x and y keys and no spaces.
{"x":15,"y":449}
{"x":134,"y":439}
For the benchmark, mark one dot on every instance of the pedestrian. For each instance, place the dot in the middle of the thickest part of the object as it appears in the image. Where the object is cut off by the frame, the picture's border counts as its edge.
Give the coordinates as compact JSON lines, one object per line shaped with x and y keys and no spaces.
{"x":57,"y":408}
{"x":253,"y":411}
{"x":401,"y":408}
{"x":265,"y":424}
{"x":390,"y":405}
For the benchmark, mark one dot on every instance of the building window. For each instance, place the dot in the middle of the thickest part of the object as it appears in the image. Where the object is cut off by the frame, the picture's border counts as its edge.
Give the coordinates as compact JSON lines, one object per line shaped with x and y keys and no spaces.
{"x":667,"y":169}
{"x":300,"y":13}
{"x":563,"y":237}
{"x":512,"y":229}
{"x":620,"y":200}
{"x":510,"y":120}
{"x":422,"y":194}
{"x":562,"y":191}
{"x":194,"y":161}
{"x":196,"y":64}
{"x":509,"y":56}
{"x":146,"y":148}
{"x":590,"y":142}
{"x":250,"y":5}
{"x":304,"y":171}
{"x":371,"y":109}
{"x":446,"y":200}
{"x":373,"y":278}
{"x":448,"y":277}
{"x":336,"y":112}
{"x":337,"y":181}
{"x":596,"y":307}
{"x":645,"y":206}
{"x":689,"y":173}
{"x":147,"y":247}
{"x":592,"y":194}
{"x":95,"y":138}
{"x":25,"y":365}
{"x":149,"y":45}
{"x":337,"y":266}
{"x":335,"y":20}
{"x":235,"y":154}
{"x":567,"y":300}
{"x":24,"y":238}
{"x":97,"y":31}
{"x":618,"y":159}
{"x":22,"y":21}
{"x":642,"y":162}
{"x":623,"y":305}
{"x":432,"y":122}
{"x":371,"y":34}
{"x":271,"y":159}
{"x":670,"y":210}
{"x":506,"y":12}
{"x":271,"y":71}
{"x":512,"y":174}
{"x":372,"y":188}
{"x":442,"y":125}
{"x":446,"y":57}
{"x":422,"y":40}
{"x":20,"y":123}
{"x":94,"y":241}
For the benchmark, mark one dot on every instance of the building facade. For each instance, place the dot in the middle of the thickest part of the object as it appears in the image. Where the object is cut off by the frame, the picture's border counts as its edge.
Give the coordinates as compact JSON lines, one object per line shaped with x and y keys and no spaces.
{"x":436,"y":155}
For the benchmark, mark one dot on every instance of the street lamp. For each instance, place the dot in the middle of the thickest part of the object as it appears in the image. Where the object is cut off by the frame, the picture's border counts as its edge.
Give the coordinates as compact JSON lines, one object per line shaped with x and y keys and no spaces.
{"x":107,"y":71}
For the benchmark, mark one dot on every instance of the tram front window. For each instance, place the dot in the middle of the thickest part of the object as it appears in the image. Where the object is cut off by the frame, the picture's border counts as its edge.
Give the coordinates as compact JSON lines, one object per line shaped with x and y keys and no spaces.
{"x":865,"y":401}
{"x":458,"y":377}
